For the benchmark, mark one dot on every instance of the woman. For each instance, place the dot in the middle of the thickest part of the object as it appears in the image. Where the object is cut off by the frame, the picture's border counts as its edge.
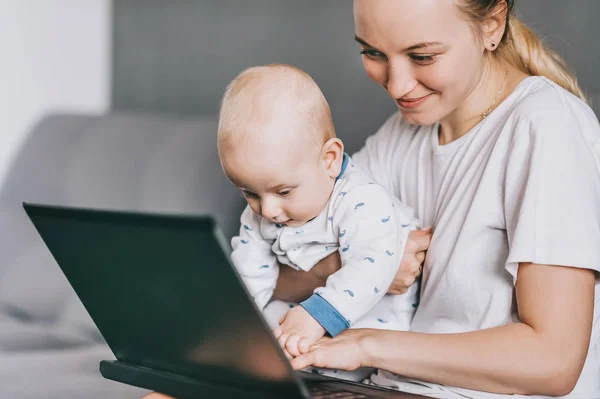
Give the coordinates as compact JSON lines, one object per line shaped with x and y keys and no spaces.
{"x":495,"y":148}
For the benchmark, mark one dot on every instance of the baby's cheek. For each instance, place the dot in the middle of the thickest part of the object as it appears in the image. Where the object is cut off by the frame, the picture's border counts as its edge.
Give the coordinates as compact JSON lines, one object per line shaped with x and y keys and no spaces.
{"x":311,"y":207}
{"x":255,"y":207}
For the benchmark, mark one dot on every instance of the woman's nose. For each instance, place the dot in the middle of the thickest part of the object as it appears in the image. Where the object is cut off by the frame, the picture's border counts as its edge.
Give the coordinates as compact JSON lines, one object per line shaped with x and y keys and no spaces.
{"x":401,"y":81}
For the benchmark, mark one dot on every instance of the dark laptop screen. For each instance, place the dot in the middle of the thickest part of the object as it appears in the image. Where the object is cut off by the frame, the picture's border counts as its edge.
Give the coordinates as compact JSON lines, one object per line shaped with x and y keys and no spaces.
{"x":162,"y":292}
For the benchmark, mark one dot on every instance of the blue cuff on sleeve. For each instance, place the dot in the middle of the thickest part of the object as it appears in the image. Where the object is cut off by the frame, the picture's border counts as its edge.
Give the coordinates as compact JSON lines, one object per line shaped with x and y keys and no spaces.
{"x":325,"y":314}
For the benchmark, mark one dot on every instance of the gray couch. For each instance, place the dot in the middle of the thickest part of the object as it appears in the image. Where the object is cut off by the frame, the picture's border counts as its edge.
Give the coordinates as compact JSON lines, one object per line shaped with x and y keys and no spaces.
{"x":48,"y":344}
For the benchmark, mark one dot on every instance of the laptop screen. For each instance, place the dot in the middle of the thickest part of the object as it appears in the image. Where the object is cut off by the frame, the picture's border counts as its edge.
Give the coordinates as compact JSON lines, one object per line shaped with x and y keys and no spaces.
{"x":162,"y":292}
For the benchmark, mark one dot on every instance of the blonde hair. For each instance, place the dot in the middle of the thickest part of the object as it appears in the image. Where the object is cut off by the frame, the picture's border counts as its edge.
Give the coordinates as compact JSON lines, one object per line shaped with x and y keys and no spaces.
{"x":256,"y":95}
{"x":520,"y":47}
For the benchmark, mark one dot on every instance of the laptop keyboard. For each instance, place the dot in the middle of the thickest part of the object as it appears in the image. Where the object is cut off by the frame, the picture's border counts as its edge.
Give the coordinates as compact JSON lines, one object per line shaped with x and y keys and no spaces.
{"x":325,"y":392}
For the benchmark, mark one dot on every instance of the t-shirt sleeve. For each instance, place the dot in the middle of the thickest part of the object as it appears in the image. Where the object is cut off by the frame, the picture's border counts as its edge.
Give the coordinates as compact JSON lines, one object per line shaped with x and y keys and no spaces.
{"x":383,"y":159}
{"x":552,"y":192}
{"x":376,"y":157}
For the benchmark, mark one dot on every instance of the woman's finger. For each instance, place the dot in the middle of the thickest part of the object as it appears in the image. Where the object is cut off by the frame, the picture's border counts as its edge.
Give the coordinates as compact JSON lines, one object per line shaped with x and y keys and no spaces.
{"x":408,"y":281}
{"x":418,"y":272}
{"x":416,"y":265}
{"x":422,"y":238}
{"x":420,"y":257}
{"x":303,"y":361}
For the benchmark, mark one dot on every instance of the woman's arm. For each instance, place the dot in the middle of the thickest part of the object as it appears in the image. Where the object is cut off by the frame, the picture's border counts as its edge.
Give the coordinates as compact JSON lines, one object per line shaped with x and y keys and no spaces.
{"x":541,"y":355}
{"x":296,"y":286}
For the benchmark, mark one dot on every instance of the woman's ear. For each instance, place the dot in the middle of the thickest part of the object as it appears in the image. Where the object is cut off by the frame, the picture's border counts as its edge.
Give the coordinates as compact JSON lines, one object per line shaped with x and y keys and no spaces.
{"x":494,"y":26}
{"x":332,"y":156}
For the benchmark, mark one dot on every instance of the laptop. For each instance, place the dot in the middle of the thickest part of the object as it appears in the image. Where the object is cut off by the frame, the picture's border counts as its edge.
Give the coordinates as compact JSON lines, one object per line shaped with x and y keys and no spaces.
{"x":162,"y":291}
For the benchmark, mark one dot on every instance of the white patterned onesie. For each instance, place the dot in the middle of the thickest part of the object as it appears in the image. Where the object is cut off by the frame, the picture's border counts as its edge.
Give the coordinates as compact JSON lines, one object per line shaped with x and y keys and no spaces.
{"x":368,"y":227}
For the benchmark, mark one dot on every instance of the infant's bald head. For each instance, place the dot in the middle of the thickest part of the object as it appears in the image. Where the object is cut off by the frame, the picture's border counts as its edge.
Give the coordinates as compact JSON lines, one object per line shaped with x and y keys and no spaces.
{"x":274,"y":104}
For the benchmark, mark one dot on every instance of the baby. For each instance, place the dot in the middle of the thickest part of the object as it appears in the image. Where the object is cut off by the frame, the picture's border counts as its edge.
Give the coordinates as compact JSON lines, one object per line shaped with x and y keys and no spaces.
{"x":307,"y":200}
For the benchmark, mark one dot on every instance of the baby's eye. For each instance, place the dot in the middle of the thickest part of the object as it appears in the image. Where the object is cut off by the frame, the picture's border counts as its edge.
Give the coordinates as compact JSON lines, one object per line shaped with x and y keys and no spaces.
{"x":284,"y":193}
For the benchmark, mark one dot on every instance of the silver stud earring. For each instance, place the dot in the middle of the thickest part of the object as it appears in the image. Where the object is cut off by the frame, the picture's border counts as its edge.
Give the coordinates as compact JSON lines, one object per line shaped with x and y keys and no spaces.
{"x":493,"y":45}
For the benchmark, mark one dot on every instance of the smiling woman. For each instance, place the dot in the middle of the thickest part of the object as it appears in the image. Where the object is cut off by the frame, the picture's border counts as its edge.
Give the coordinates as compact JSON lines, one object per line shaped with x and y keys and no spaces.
{"x":495,"y":148}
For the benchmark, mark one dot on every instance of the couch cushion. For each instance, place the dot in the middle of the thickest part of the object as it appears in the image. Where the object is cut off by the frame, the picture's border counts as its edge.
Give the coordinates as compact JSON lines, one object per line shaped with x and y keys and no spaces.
{"x":124,"y":161}
{"x":71,"y":374}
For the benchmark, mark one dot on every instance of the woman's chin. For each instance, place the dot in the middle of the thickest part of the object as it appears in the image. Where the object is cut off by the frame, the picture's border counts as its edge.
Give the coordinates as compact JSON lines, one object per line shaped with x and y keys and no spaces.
{"x":419,"y":118}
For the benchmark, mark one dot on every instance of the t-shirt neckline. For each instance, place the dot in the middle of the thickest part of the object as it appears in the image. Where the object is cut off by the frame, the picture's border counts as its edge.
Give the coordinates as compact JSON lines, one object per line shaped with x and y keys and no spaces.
{"x":454,"y":145}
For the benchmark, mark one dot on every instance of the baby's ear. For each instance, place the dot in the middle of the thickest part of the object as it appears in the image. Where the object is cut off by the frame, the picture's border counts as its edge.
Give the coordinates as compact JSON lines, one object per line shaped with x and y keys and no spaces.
{"x":332,"y":155}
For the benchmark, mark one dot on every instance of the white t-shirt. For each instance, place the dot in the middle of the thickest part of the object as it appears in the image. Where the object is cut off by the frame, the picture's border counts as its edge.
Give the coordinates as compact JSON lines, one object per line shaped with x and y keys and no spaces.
{"x":521,"y":186}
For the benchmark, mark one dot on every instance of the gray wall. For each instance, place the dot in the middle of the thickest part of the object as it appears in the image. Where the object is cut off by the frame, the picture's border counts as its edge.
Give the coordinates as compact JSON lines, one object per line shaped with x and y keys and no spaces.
{"x":572,"y":28}
{"x":177,"y":56}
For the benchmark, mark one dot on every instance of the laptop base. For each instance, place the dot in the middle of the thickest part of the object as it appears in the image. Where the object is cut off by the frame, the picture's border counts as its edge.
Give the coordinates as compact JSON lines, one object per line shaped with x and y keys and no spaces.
{"x":178,"y":386}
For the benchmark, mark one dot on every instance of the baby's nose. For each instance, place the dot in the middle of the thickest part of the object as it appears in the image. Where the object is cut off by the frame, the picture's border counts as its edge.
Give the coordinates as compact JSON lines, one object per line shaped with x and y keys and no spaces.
{"x":270,"y":211}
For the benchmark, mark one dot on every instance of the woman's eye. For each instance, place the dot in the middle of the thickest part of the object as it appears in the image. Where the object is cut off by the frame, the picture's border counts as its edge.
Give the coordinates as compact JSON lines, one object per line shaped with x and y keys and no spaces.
{"x":422,"y":59}
{"x":248,"y":194}
{"x":372,"y":54}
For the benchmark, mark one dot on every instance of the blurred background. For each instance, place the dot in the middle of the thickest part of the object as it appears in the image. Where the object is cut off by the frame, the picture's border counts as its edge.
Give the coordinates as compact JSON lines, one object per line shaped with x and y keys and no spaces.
{"x":113,"y":104}
{"x":176,"y":56}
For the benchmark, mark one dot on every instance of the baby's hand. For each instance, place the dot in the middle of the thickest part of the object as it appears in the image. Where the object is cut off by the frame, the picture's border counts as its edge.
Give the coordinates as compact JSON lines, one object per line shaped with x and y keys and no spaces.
{"x":298,"y":331}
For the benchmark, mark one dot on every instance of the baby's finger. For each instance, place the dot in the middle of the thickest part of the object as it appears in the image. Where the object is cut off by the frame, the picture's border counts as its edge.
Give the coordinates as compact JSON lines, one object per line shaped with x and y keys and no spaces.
{"x":287,"y":354}
{"x":303,"y":345}
{"x":277,"y":332}
{"x":282,"y":319}
{"x":282,"y":340}
{"x":292,"y":345}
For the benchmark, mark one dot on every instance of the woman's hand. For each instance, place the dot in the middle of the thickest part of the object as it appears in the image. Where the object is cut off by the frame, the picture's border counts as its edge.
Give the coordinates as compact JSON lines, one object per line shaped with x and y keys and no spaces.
{"x":347,"y":351}
{"x":412,"y":261}
{"x":297,"y":285}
